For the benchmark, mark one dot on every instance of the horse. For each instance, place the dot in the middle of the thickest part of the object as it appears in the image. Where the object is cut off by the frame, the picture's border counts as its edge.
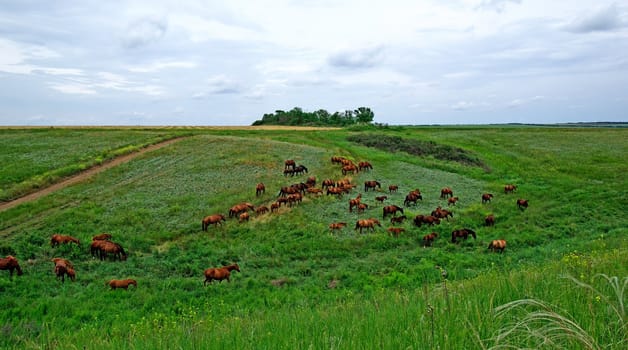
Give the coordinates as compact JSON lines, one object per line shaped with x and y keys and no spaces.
{"x":522,"y":204}
{"x":219,"y":273}
{"x":381,"y":199}
{"x":391,"y":209}
{"x":10,"y":263}
{"x":124,"y":284}
{"x":452,"y":201}
{"x":426,"y":219}
{"x":429,"y":239}
{"x":212,"y":220}
{"x":509,"y":189}
{"x":393,"y":188}
{"x":289,"y":164}
{"x":489,"y":220}
{"x":244,"y":216}
{"x":365,"y":166}
{"x":442,"y":213}
{"x":486,"y":197}
{"x":237,"y":209}
{"x":62,"y":268}
{"x":62,"y":261}
{"x":337,"y":226}
{"x":497,"y":244}
{"x":462,"y":233}
{"x":115,"y":249}
{"x":260,"y":189}
{"x":367,"y":223}
{"x":300,"y":169}
{"x":412,"y":197}
{"x":314,"y":190}
{"x":275,"y":207}
{"x":398,"y":219}
{"x":328,"y":183}
{"x":102,"y":237}
{"x":396,"y":231}
{"x":338,"y":191}
{"x":337,"y":159}
{"x":351,"y":168}
{"x":57,"y":239}
{"x":362,"y":207}
{"x":310,"y":182}
{"x":446,"y":192}
{"x":262,"y":209}
{"x":371,"y":185}
{"x":354,"y":202}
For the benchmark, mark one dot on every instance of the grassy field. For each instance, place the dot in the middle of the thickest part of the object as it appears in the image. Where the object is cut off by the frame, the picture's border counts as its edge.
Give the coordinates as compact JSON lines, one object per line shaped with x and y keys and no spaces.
{"x":300,"y":285}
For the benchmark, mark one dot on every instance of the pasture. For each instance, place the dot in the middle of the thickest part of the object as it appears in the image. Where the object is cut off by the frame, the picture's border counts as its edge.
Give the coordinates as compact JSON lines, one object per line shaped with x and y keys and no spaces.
{"x":299,"y":283}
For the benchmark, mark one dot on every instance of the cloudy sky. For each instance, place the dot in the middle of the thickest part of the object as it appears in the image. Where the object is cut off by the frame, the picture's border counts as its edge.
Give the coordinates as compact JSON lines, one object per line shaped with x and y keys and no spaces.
{"x":158,"y":62}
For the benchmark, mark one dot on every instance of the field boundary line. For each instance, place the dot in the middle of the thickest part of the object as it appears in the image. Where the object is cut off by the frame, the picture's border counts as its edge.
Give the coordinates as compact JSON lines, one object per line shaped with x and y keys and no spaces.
{"x":74,"y":179}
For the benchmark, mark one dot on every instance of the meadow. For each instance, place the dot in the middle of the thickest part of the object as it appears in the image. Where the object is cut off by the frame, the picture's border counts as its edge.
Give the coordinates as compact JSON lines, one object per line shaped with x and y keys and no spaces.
{"x":300,"y":285}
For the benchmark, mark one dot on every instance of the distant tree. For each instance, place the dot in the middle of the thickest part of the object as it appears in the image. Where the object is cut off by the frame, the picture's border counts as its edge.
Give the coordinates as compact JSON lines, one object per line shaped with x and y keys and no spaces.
{"x":364,"y":115}
{"x":296,"y":116}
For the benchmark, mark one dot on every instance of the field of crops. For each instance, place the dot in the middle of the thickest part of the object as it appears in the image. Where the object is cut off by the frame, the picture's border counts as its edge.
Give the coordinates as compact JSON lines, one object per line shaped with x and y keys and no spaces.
{"x":301,"y":285}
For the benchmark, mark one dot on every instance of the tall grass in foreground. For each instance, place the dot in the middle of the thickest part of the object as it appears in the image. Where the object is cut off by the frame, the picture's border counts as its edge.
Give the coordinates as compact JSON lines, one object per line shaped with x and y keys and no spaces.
{"x":494,"y":311}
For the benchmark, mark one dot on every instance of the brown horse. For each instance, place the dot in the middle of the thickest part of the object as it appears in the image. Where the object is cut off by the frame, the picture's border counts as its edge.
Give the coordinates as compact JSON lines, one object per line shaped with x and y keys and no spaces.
{"x":328,"y":183}
{"x":238,"y":209}
{"x":446,"y":192}
{"x":497,"y":244}
{"x":351,"y":168}
{"x":260,"y":189}
{"x":398,"y":219}
{"x":486,"y":197}
{"x":452,"y":201}
{"x":429,"y":239}
{"x":62,"y":261}
{"x":314,"y":190}
{"x":367,"y":223}
{"x":381,"y":199}
{"x":262,"y":209}
{"x":426,"y":219}
{"x":393,"y":188}
{"x":442,"y":213}
{"x":522,"y":204}
{"x":396,"y":231}
{"x":365,"y":166}
{"x":10,"y":263}
{"x":391,"y":209}
{"x":102,"y":237}
{"x":274,"y":207}
{"x":354,"y":202}
{"x":57,"y":239}
{"x":362,"y":207}
{"x":371,"y":185}
{"x":412,"y":197}
{"x":244,"y":217}
{"x":337,"y":226}
{"x":289,"y":164}
{"x":110,"y":248}
{"x":337,"y":159}
{"x":62,"y":268}
{"x":220,"y":273}
{"x":489,"y":220}
{"x":124,"y":284}
{"x":310,"y":182}
{"x":462,"y":233}
{"x":212,"y":220}
{"x":510,"y":188}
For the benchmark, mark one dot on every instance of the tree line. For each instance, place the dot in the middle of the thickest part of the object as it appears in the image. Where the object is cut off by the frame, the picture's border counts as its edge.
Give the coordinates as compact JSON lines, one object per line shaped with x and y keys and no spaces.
{"x":321,"y":117}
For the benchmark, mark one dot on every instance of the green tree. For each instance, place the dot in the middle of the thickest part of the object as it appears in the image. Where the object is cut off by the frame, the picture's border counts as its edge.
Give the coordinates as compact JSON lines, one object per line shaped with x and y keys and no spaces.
{"x":364,"y":115}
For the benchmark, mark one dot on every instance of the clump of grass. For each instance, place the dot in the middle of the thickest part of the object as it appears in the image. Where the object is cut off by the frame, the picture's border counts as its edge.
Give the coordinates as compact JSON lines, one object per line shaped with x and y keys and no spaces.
{"x":539,"y":325}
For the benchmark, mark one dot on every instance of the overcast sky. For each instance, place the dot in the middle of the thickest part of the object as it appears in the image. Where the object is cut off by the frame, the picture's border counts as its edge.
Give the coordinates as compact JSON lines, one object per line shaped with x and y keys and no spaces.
{"x":221,"y":62}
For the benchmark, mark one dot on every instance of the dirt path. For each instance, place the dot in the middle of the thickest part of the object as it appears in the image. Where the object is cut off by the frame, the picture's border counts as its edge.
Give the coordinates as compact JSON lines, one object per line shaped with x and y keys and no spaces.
{"x":85,"y":174}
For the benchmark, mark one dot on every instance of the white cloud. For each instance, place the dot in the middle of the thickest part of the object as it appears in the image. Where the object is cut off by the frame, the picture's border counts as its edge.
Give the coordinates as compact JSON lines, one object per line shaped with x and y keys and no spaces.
{"x":144,"y":31}
{"x":161,"y":65}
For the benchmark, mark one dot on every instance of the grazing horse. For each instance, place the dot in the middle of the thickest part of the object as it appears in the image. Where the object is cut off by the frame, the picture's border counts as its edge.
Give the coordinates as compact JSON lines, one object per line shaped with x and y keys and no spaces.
{"x":442,"y":213}
{"x":412,"y":197}
{"x":371,"y":185}
{"x":337,"y":226}
{"x":212,"y":220}
{"x":244,"y":216}
{"x":338,"y":191}
{"x":365,"y":166}
{"x":260,"y":189}
{"x":362,"y":207}
{"x":57,"y":239}
{"x":426,"y":219}
{"x":62,"y":268}
{"x":300,"y":169}
{"x":462,"y":233}
{"x":489,"y":220}
{"x":262,"y":209}
{"x":219,"y":273}
{"x":102,"y":237}
{"x":289,"y":164}
{"x":124,"y":284}
{"x":238,"y":209}
{"x":337,"y":159}
{"x":381,"y":199}
{"x":10,"y":263}
{"x":522,"y":204}
{"x":393,"y":188}
{"x":367,"y":223}
{"x":110,"y":248}
{"x":396,"y":231}
{"x":310,"y":182}
{"x":398,"y":219}
{"x":351,"y":168}
{"x":497,"y":244}
{"x":354,"y":202}
{"x":429,"y":239}
{"x":486,"y":197}
{"x":275,"y":207}
{"x":391,"y":209}
{"x":314,"y":190}
{"x":328,"y":183}
{"x":452,"y":201}
{"x":510,"y":188}
{"x":446,"y":192}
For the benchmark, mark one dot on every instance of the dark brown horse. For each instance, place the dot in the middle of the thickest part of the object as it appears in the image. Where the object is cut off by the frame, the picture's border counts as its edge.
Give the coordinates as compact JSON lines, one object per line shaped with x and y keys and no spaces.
{"x":452,"y":200}
{"x":442,"y":213}
{"x":102,"y":237}
{"x":328,"y":183}
{"x":510,"y":188}
{"x":106,"y":248}
{"x":489,"y":220}
{"x":220,"y":273}
{"x":429,"y":220}
{"x":398,"y":219}
{"x":391,"y":209}
{"x":497,"y":245}
{"x":289,"y":164}
{"x":351,"y":168}
{"x":486,"y":197}
{"x":428,"y":239}
{"x":262,"y":209}
{"x":381,"y":199}
{"x":354,"y":202}
{"x":371,"y":185}
{"x":412,"y":197}
{"x":462,"y":233}
{"x":124,"y":284}
{"x":337,"y":226}
{"x":57,"y":239}
{"x":367,"y":224}
{"x":396,"y":231}
{"x":10,"y":263}
{"x":393,"y":188}
{"x":522,"y":204}
{"x":365,"y":166}
{"x":212,"y":220}
{"x":260,"y":189}
{"x":274,"y":207}
{"x":446,"y":192}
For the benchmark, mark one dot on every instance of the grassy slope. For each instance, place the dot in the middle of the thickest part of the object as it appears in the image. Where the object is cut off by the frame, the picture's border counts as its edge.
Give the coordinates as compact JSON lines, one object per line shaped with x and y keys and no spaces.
{"x":153,"y":206}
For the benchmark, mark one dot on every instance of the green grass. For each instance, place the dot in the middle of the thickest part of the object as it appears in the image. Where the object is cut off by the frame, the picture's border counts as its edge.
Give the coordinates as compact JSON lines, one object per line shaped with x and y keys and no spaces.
{"x":154,"y":204}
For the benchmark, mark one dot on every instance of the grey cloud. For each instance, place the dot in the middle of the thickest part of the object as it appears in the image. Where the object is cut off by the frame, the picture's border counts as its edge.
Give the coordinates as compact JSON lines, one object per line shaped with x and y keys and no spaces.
{"x":145,"y":31}
{"x":605,"y":19}
{"x":361,"y":58}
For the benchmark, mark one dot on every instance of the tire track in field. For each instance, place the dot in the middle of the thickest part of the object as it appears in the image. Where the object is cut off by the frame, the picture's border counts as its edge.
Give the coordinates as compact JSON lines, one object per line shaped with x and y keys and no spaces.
{"x":86,"y":174}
